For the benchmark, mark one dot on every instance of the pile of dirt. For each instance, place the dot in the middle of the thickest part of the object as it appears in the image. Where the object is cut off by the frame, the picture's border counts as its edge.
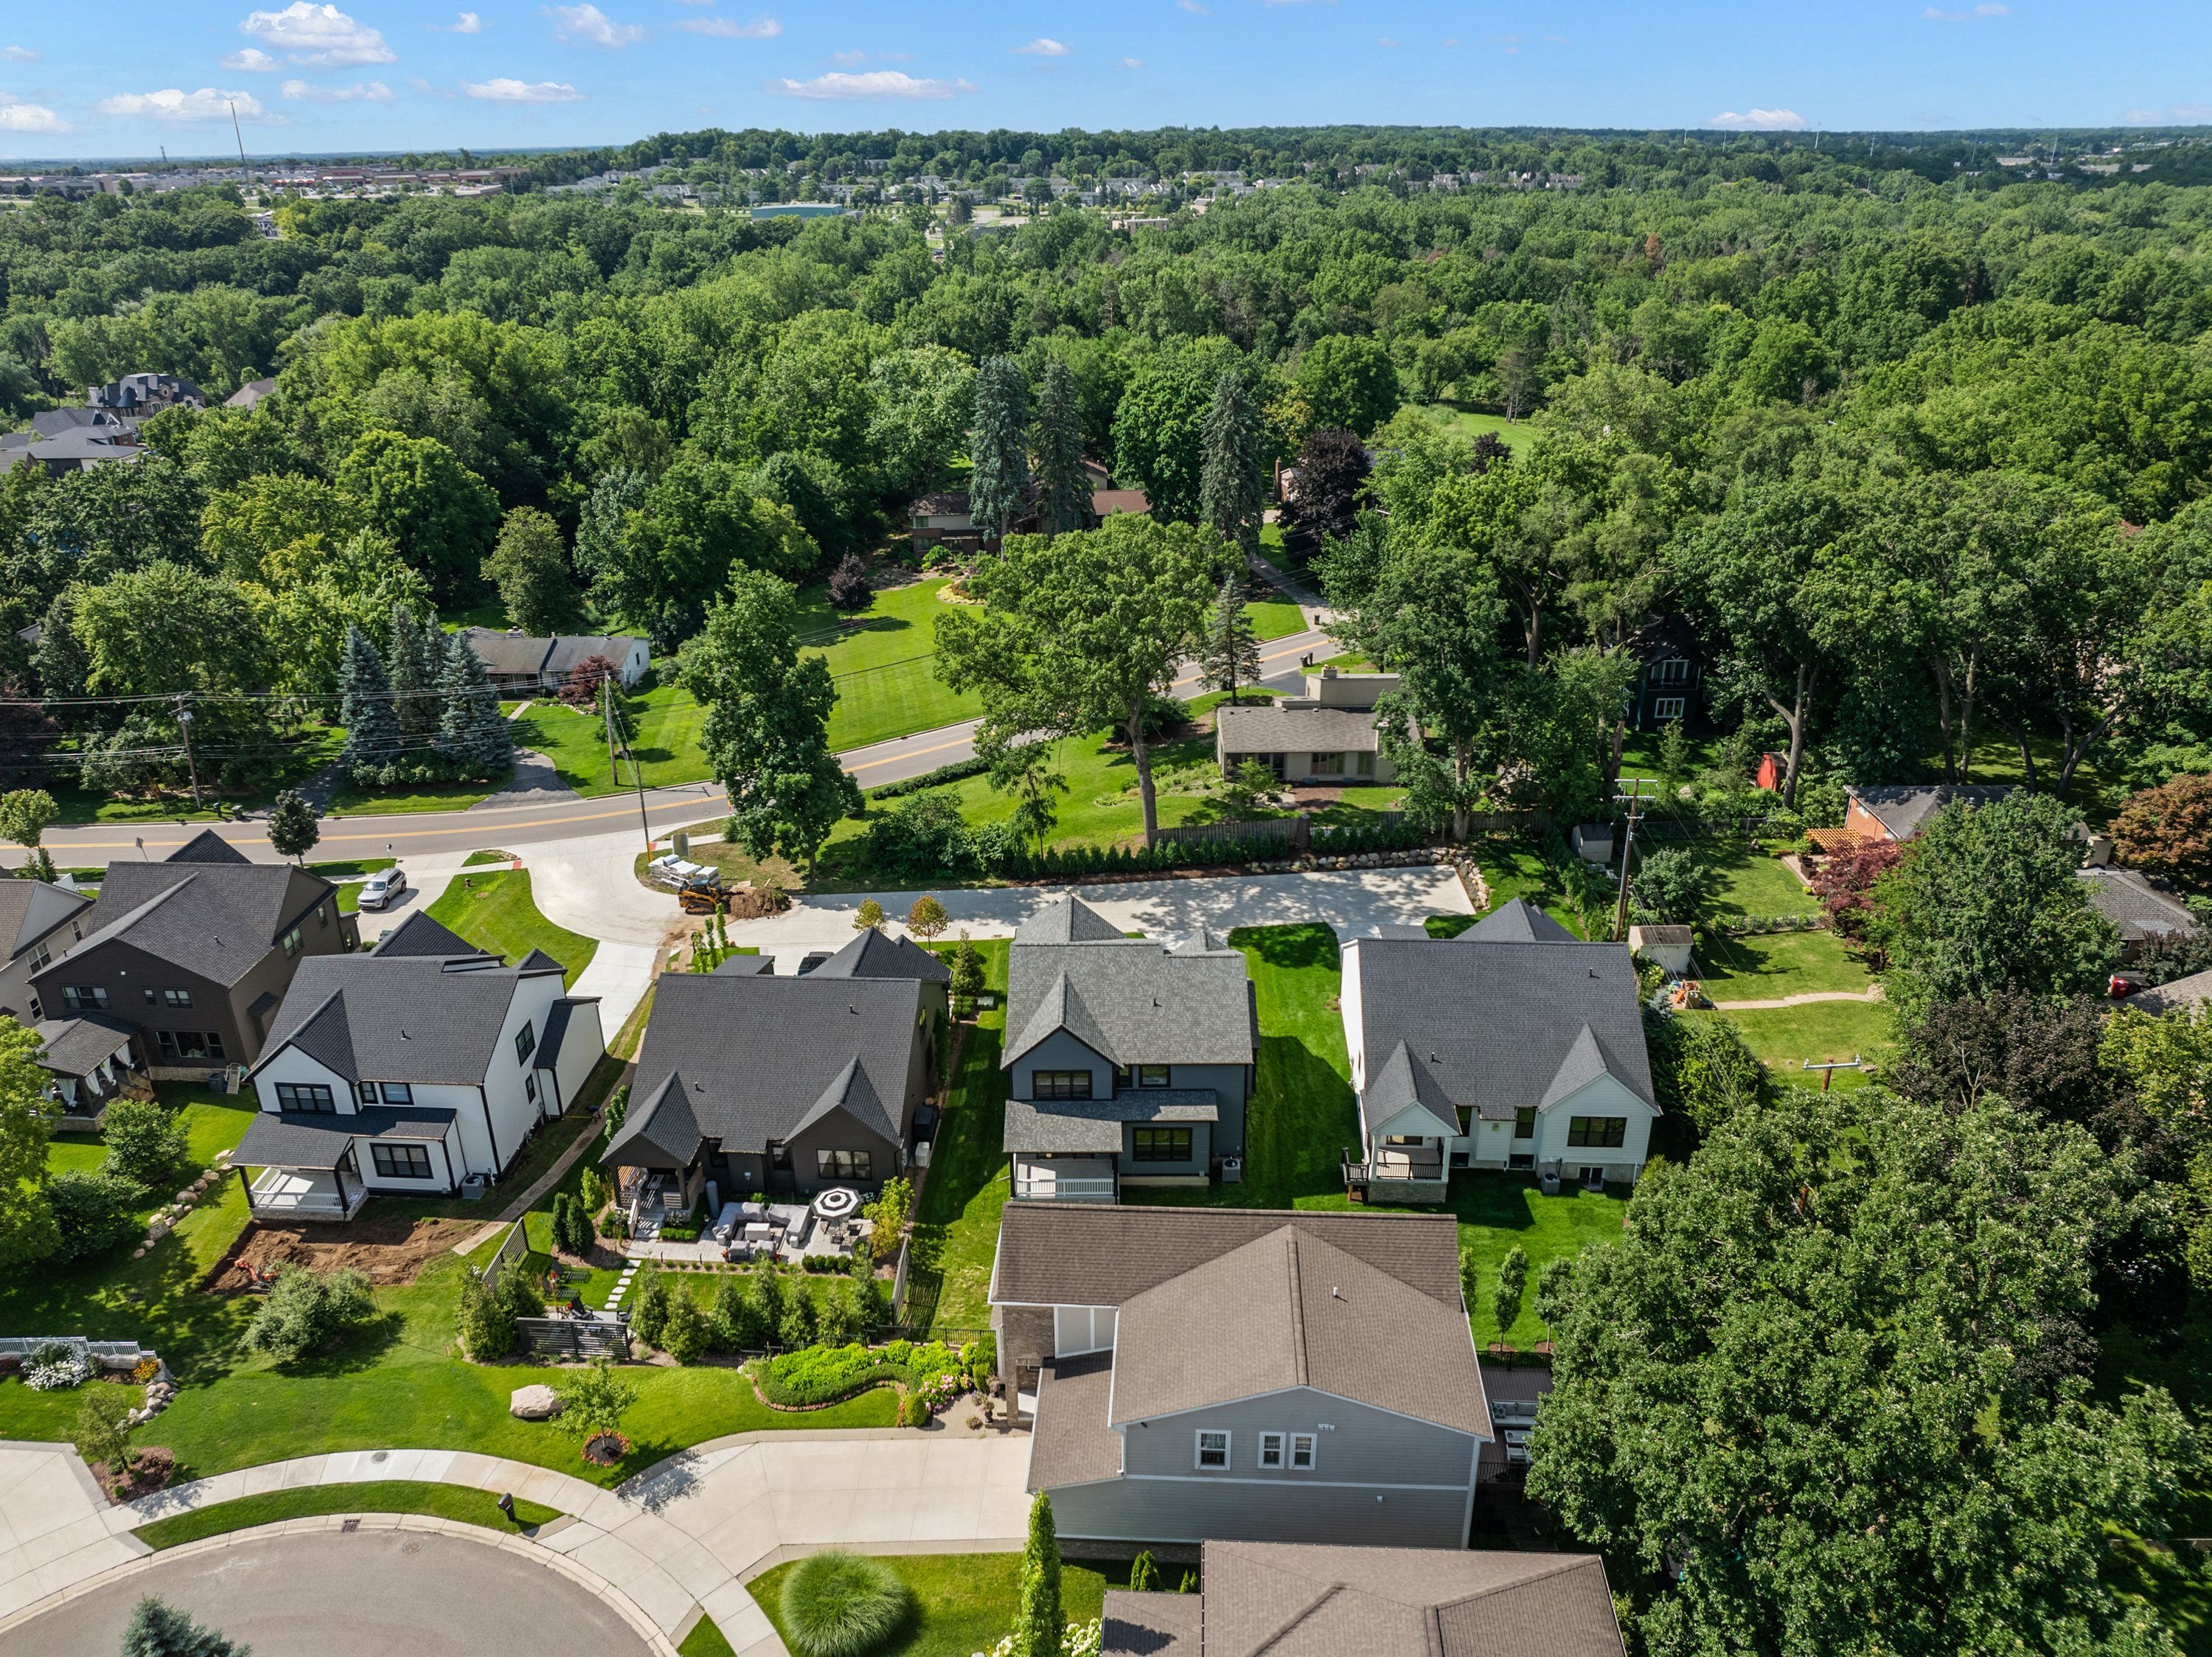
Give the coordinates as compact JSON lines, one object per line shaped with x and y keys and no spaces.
{"x":390,"y":1251}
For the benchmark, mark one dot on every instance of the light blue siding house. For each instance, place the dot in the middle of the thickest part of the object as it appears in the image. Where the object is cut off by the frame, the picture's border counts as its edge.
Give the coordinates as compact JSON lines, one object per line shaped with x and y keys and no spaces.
{"x":1128,"y":1061}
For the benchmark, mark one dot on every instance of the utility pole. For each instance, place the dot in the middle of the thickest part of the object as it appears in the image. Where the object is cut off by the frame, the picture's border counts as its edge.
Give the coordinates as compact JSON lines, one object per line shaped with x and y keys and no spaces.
{"x":607,"y":708}
{"x":240,"y":135}
{"x":191,"y":767}
{"x":636,"y":770}
{"x":1635,"y":798}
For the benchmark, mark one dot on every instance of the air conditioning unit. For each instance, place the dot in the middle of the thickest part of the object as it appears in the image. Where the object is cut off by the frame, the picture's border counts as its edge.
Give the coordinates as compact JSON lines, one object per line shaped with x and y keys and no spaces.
{"x":1232,"y":1170}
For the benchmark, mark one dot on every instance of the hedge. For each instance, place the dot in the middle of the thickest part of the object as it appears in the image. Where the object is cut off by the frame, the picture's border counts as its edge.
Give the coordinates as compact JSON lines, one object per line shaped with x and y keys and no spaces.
{"x":958,"y":772}
{"x":1078,"y":863}
{"x":823,"y":1374}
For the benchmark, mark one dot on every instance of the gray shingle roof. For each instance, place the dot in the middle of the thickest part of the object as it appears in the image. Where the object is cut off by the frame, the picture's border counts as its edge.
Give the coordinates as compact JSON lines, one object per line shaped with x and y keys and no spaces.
{"x":1295,"y":730}
{"x":746,"y":966}
{"x":1288,"y":1310}
{"x":1095,"y":1124}
{"x":1094,"y":1254}
{"x":2133,"y":905}
{"x":759,"y":1056}
{"x":1126,"y":999}
{"x":2189,"y":993}
{"x":872,"y":955}
{"x":76,"y":1046}
{"x":1291,"y":1600}
{"x":1071,"y":1442}
{"x":507,"y":653}
{"x":1491,"y":1027}
{"x":217,"y":919}
{"x":408,"y":1018}
{"x":300,"y":1139}
{"x":570,"y":651}
{"x":660,"y":1130}
{"x":1517,"y":921}
{"x":418,"y":935}
{"x":207,"y":847}
{"x":1905,"y":810}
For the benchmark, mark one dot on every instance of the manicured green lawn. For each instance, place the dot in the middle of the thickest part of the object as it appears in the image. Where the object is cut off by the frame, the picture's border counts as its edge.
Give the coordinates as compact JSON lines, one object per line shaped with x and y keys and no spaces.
{"x":213,"y":1122}
{"x":1783,"y":1038}
{"x":963,"y":1603}
{"x":665,"y":721}
{"x":1512,"y":868}
{"x":1756,"y":883}
{"x":885,"y":662}
{"x":494,"y":911}
{"x":390,"y":1496}
{"x":1470,"y":424}
{"x":956,"y":1231}
{"x":1273,"y":618}
{"x":705,"y":1640}
{"x":47,"y":1417}
{"x":1766,"y":965}
{"x":349,"y":801}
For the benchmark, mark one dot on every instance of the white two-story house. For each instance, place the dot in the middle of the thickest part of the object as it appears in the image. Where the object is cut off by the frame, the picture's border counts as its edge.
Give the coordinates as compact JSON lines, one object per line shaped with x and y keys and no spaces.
{"x":1513,"y":1045}
{"x":409,"y":1071}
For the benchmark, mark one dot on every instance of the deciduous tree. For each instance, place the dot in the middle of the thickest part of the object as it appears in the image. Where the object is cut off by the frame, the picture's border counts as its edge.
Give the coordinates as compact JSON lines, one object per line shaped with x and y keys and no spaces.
{"x":530,"y":567}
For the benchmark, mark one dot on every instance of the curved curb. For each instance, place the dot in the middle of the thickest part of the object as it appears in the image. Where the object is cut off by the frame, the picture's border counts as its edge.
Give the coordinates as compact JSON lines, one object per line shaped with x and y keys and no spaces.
{"x":606,"y":1592}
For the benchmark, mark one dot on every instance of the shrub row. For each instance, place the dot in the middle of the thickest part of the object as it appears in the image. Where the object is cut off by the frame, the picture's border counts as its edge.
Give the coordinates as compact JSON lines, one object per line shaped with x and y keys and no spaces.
{"x":823,"y":1374}
{"x":958,"y":772}
{"x":1076,"y":862}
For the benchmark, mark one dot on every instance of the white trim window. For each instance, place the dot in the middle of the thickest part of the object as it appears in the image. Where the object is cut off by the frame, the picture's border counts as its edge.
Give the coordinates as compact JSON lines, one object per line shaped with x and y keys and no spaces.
{"x":1213,"y":1452}
{"x":1271,"y":1451}
{"x":1668,"y":707}
{"x":1302,"y":1452}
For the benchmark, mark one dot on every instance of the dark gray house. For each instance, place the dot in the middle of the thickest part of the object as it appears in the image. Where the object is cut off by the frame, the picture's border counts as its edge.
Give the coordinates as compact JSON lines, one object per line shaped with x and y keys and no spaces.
{"x":195,"y":953}
{"x":783,"y":1086}
{"x":1291,"y":1600}
{"x":1128,"y":1063}
{"x":1208,"y":1374}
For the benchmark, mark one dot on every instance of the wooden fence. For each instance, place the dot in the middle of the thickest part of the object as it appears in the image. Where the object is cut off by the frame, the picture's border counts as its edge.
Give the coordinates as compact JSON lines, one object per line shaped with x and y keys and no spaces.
{"x":601,"y":1335}
{"x":517,"y":1244}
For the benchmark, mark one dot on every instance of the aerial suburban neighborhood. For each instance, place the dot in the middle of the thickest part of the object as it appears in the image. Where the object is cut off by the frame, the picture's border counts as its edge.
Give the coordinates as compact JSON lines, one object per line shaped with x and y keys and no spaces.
{"x":1204,"y":830}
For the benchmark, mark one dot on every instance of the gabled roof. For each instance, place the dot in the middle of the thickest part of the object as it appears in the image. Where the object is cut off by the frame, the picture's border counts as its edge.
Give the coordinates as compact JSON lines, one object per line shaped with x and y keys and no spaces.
{"x":1405,"y":1082}
{"x":76,"y":1046}
{"x":405,"y":1018}
{"x":2138,"y":909}
{"x":1518,"y":921}
{"x":1492,"y":1026}
{"x":418,"y":935}
{"x":1097,"y":1254}
{"x":661,"y":1132}
{"x":1288,"y":1599}
{"x":761,"y":1056}
{"x":872,"y":955}
{"x":1289,"y":1309}
{"x":1128,"y":999}
{"x":207,"y":847}
{"x":740,"y":965}
{"x":1904,"y":811}
{"x":1296,"y":730}
{"x":29,"y":910}
{"x":218,"y":918}
{"x":2182,"y":994}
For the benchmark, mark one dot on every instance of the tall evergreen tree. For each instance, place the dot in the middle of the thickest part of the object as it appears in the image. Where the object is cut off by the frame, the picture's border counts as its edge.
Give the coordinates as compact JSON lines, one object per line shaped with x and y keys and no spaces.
{"x":1233,"y":487}
{"x":414,"y":685}
{"x":1039,"y":1628}
{"x":999,"y":447}
{"x":1063,"y":486}
{"x":1230,"y":655}
{"x":472,"y":736}
{"x":365,"y":704}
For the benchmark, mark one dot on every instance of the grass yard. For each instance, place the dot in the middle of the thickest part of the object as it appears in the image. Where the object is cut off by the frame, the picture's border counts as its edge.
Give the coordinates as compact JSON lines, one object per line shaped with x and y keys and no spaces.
{"x":389,"y":1496}
{"x":1273,"y":618}
{"x":962,"y":1602}
{"x":494,"y":911}
{"x":1755,"y":883}
{"x":1784,"y":1038}
{"x":664,"y":724}
{"x":1768,"y":966}
{"x":1470,"y":424}
{"x":351,"y":801}
{"x":955,"y":1230}
{"x":884,"y":661}
{"x":1512,"y":868}
{"x":705,"y":1640}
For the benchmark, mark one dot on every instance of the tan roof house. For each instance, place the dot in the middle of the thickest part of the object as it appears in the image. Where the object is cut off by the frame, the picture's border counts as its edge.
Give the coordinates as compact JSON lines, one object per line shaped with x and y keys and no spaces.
{"x":1325,"y":736}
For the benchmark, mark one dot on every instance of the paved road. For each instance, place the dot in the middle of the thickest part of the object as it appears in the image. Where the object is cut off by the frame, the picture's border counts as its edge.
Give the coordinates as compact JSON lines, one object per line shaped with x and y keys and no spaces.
{"x":451,"y":835}
{"x":374,"y":1593}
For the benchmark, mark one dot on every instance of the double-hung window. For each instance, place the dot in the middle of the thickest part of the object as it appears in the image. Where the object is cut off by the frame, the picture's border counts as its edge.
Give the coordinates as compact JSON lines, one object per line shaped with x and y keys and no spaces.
{"x":1271,"y":1450}
{"x":1060,"y":1084}
{"x":526,"y":1043}
{"x":401,"y":1161}
{"x":1302,"y":1452}
{"x":1212,"y":1448}
{"x":1597,"y":1132}
{"x":311,"y":1096}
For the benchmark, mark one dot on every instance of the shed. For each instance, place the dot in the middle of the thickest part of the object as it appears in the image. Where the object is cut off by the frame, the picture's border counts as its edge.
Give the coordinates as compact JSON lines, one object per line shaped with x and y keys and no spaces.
{"x":1665,"y":947}
{"x":1594,"y":842}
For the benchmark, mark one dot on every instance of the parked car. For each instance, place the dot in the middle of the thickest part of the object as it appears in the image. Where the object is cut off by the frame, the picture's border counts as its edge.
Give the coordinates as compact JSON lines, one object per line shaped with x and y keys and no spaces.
{"x":382,"y":887}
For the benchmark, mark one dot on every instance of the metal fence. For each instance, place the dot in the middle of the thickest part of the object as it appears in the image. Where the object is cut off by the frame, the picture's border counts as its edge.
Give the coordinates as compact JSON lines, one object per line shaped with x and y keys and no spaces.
{"x":516,"y":1246}
{"x":109,"y":1355}
{"x":600,"y":1336}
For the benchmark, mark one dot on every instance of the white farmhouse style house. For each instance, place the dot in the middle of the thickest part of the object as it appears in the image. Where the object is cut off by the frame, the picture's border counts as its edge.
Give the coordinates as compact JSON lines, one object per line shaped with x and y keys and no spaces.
{"x":1513,"y":1045}
{"x":408,"y":1071}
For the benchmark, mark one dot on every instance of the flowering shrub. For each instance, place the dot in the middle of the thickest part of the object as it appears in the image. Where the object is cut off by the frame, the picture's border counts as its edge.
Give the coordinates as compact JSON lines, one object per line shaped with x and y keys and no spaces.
{"x":145,"y":1370}
{"x":820,"y":1374}
{"x":1080,"y":1640}
{"x":52,"y":1367}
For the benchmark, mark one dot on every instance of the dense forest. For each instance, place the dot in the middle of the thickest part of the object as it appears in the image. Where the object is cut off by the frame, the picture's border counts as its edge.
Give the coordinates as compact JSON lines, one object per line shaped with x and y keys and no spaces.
{"x":1925,"y":461}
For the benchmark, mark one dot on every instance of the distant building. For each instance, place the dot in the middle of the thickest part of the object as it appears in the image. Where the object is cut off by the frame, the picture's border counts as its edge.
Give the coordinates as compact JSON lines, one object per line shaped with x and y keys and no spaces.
{"x":518,"y":665}
{"x":250,"y":394}
{"x":137,"y":396}
{"x":800,"y":209}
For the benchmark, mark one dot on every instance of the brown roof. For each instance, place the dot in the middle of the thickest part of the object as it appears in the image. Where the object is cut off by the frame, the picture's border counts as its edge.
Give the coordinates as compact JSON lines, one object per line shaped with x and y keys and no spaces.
{"x":1292,"y":1600}
{"x":1094,"y":1254}
{"x":1153,"y":1624}
{"x":1105,"y":503}
{"x":1071,"y":1442}
{"x":1290,"y":1310}
{"x":2181,"y":995}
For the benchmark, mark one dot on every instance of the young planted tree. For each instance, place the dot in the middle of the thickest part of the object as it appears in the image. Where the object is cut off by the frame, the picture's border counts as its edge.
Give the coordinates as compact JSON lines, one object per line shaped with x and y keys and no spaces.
{"x":868,"y":916}
{"x":102,"y":1431}
{"x":594,"y":1401}
{"x":529,"y":568}
{"x":1512,"y":1283}
{"x":294,"y":825}
{"x":999,"y":479}
{"x":1230,"y":653}
{"x":927,"y":919}
{"x":966,"y":971}
{"x":1233,"y":486}
{"x":1063,"y":485}
{"x":767,"y":730}
{"x":850,"y":588}
{"x":1082,"y":631}
{"x":1039,"y":1625}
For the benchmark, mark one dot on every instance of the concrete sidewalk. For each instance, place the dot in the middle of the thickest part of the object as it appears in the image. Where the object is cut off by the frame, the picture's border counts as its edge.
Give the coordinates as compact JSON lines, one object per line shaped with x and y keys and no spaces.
{"x":679,"y":1539}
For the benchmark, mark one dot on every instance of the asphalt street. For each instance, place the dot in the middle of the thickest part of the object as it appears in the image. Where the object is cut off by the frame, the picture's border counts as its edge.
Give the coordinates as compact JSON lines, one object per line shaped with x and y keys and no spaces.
{"x":452,"y":834}
{"x":374,"y":1594}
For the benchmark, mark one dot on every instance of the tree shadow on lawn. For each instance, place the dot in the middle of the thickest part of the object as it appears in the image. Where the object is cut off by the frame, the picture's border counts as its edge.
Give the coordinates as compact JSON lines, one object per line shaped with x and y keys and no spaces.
{"x":365,"y":1347}
{"x":1288,"y":948}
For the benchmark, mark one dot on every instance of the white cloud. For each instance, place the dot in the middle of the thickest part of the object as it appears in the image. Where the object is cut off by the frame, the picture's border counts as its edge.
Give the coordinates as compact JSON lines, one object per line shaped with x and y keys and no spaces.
{"x":20,"y":55}
{"x":1990,"y":9}
{"x":587,"y":25}
{"x":170,"y":104}
{"x":1760,"y":120}
{"x":875,"y":83}
{"x":465,"y":22}
{"x":2174,"y":115}
{"x":1384,"y":41}
{"x":506,"y":89}
{"x":374,"y":92}
{"x":1042,"y":46}
{"x":30,"y":117}
{"x":321,"y":36}
{"x":1192,"y":5}
{"x":848,"y":59}
{"x":251,"y":58}
{"x":728,"y":29}
{"x":1132,"y":62}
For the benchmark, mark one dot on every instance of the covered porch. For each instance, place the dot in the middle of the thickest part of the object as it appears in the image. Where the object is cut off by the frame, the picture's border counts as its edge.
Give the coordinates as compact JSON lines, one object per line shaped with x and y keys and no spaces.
{"x":309,"y":1162}
{"x":1399,"y":1169}
{"x":1054,"y":1178}
{"x":297,"y":1193}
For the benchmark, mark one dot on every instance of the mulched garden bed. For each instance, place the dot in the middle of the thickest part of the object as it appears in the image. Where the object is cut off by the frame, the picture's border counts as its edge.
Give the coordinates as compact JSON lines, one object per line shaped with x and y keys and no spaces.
{"x":154,"y":1469}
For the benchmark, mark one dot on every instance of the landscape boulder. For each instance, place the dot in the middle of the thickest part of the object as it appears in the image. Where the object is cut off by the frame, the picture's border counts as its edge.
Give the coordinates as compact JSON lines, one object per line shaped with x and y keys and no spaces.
{"x":533,"y":1403}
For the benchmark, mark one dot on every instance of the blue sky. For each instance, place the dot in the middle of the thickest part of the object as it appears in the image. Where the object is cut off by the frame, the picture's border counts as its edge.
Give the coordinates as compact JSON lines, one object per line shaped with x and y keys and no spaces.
{"x":117,"y":77}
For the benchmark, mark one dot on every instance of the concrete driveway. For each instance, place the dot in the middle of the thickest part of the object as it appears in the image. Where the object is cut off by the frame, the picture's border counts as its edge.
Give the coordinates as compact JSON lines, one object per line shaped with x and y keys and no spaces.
{"x":1351,"y":901}
{"x":374,"y":1593}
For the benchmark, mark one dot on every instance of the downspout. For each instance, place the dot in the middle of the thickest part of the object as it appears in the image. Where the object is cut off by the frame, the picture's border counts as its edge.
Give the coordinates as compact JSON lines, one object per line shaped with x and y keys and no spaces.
{"x":483,"y":1103}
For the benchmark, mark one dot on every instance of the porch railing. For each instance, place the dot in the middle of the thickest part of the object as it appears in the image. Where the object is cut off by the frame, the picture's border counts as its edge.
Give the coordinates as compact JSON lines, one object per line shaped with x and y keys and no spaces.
{"x":279,"y":1191}
{"x":1047,"y":1188}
